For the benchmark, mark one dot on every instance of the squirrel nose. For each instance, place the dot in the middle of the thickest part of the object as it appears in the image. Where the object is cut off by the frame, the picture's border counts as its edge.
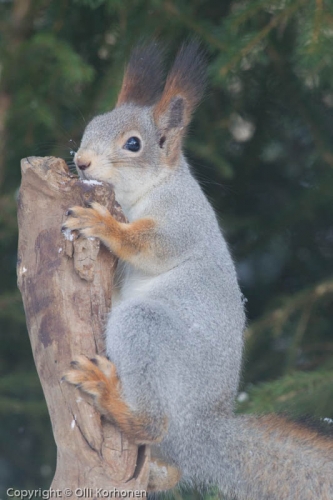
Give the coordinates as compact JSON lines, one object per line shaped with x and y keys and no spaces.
{"x":83,"y":165}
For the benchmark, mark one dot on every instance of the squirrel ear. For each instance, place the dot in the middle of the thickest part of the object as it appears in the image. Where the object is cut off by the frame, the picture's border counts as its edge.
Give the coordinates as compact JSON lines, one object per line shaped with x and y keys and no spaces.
{"x":173,"y":116}
{"x":144,"y":76}
{"x":182,"y":92}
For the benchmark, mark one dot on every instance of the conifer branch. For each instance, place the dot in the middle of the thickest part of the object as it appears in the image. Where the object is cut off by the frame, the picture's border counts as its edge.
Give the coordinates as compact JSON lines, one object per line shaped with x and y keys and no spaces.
{"x":274,"y":22}
{"x":277,"y":318}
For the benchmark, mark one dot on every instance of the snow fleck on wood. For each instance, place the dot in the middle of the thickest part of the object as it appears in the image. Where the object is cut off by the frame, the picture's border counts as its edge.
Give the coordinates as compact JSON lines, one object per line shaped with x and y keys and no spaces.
{"x":68,"y":234}
{"x":92,"y":182}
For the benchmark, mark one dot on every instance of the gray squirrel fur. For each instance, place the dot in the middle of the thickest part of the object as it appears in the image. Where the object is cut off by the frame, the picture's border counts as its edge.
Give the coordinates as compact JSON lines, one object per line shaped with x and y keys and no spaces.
{"x":175,"y":332}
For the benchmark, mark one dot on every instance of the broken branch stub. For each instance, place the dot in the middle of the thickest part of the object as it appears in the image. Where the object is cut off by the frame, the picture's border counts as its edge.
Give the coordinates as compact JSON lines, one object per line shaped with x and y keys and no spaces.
{"x":66,"y":287}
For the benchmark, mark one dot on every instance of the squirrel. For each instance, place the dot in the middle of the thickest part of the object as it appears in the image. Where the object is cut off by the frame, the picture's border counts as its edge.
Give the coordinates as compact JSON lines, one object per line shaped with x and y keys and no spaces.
{"x":175,"y":334}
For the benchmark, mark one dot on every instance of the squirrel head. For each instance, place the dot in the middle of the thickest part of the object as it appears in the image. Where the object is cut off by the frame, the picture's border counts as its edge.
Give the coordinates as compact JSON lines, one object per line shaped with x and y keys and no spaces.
{"x":137,"y":144}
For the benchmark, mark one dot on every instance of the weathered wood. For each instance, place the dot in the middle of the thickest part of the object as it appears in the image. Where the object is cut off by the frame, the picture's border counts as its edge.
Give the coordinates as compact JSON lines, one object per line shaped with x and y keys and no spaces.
{"x":66,"y":288}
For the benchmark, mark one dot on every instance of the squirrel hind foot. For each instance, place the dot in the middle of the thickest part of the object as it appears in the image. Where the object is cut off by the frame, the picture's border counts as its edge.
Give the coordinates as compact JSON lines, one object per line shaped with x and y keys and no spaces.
{"x":98,"y":379}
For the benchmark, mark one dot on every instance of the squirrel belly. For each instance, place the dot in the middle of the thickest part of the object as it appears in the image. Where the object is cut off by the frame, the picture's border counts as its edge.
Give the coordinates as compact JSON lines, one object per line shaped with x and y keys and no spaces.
{"x":195,"y":290}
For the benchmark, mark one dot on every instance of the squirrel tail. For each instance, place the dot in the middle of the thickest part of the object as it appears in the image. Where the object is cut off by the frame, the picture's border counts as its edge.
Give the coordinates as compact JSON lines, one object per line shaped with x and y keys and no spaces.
{"x":266,"y":457}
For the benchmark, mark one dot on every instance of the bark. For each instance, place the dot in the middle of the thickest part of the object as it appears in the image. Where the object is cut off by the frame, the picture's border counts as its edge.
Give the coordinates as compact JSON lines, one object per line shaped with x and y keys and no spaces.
{"x":66,"y":288}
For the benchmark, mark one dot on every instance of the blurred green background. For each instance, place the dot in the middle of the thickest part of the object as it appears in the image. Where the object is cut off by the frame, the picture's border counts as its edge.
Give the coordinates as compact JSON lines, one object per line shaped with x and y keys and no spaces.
{"x":260,"y":144}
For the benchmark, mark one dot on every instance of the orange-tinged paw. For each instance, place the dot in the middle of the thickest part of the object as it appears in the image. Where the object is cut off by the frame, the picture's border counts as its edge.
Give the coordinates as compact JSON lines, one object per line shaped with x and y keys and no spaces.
{"x":93,"y":221}
{"x":96,"y":377}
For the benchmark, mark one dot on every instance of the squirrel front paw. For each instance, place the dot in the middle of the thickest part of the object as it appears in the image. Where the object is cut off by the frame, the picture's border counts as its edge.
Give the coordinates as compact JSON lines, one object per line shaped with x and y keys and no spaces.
{"x":92,"y":222}
{"x":130,"y":241}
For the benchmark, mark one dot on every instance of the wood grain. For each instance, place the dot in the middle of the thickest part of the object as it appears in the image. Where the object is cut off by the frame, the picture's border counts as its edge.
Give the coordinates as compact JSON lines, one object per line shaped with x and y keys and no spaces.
{"x":66,"y":288}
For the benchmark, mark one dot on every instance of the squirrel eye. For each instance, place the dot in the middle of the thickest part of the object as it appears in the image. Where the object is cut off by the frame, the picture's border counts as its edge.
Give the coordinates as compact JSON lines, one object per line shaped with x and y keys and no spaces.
{"x":133,"y":144}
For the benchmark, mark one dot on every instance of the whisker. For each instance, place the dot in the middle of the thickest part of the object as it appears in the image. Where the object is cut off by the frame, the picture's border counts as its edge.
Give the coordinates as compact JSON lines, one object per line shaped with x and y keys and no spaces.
{"x":75,"y":144}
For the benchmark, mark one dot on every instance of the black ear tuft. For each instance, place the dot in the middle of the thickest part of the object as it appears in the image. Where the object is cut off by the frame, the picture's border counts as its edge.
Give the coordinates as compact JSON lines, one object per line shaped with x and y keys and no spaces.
{"x":189,"y":71}
{"x":186,"y":81}
{"x":144,"y":76}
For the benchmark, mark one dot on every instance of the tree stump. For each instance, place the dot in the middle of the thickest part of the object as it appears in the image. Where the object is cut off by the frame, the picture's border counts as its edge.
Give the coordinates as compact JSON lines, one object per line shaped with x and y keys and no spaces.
{"x":66,"y":286}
